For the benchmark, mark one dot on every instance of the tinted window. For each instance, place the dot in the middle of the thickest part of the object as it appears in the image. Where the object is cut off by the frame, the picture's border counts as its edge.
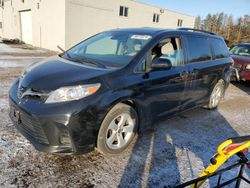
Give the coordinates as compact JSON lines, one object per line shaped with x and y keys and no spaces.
{"x":219,"y":48}
{"x":198,"y":49}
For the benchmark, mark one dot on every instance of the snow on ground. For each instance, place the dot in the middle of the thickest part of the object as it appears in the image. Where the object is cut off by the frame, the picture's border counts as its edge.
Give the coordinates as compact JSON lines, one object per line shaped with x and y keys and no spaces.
{"x":9,"y":49}
{"x":17,"y":62}
{"x":174,"y":151}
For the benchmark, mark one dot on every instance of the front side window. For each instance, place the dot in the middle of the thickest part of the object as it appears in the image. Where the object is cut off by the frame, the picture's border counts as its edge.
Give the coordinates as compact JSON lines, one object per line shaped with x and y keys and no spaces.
{"x":242,"y":50}
{"x":115,"y":49}
{"x":171,"y":49}
{"x":198,"y":49}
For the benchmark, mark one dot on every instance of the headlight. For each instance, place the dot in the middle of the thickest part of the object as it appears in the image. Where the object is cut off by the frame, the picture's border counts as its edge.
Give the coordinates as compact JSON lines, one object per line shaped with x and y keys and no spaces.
{"x":72,"y":93}
{"x":248,"y":67}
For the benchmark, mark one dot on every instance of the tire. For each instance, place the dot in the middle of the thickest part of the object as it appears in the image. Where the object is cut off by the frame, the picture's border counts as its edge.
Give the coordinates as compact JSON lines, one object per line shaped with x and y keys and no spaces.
{"x":216,"y":95}
{"x":117,"y":130}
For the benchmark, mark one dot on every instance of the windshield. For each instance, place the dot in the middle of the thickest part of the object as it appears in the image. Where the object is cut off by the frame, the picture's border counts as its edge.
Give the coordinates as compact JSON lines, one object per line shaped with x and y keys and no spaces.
{"x":243,"y":50}
{"x":115,"y":49}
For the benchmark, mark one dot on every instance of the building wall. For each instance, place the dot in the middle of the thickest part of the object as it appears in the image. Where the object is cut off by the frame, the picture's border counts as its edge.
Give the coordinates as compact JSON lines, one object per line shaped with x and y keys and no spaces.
{"x":1,"y":20}
{"x":85,"y":18}
{"x":48,"y":21}
{"x":67,"y":22}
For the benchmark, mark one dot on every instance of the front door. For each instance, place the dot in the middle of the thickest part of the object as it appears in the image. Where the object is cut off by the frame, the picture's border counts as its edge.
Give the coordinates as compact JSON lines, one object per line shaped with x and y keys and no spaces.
{"x":164,"y":89}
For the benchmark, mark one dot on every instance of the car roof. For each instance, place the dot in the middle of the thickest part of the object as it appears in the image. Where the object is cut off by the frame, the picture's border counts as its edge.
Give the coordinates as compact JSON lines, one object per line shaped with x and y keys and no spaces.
{"x":157,"y":31}
{"x":143,"y":30}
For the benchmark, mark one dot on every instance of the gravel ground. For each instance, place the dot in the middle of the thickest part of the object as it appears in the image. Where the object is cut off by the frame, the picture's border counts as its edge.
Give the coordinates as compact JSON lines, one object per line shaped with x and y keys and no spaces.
{"x":174,"y":151}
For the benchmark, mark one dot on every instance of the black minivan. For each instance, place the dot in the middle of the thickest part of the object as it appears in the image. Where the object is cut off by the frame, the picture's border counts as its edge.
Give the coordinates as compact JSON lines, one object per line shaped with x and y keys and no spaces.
{"x":104,"y":90}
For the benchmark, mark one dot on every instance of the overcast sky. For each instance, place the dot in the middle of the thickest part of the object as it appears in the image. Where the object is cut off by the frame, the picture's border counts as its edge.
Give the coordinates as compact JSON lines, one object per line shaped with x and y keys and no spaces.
{"x":203,"y":7}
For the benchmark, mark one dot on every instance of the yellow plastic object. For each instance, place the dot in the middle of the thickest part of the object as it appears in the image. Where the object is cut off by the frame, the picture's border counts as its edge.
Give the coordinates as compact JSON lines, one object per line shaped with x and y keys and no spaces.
{"x":222,"y":156}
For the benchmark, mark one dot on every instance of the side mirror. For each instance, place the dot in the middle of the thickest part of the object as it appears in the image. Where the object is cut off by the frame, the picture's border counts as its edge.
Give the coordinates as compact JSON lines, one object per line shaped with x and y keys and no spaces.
{"x":161,"y":64}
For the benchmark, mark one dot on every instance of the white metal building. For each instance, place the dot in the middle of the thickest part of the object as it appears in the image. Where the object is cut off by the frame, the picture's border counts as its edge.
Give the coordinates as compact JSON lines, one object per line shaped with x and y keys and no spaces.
{"x":48,"y":23}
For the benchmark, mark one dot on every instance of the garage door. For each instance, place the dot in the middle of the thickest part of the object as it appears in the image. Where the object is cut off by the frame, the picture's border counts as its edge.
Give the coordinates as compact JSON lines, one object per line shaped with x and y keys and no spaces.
{"x":26,"y":26}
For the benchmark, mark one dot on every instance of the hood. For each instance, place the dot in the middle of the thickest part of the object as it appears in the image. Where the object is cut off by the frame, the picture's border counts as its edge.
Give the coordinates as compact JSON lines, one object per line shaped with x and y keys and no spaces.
{"x":56,"y":72}
{"x":243,"y":60}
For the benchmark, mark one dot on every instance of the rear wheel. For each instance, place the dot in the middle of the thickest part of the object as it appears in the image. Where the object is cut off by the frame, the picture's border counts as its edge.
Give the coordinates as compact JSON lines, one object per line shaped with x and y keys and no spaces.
{"x":216,"y":95}
{"x":117,"y":130}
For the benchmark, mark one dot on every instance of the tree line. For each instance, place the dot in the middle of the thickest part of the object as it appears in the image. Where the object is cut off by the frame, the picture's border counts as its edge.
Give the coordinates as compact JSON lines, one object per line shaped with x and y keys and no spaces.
{"x":233,"y":30}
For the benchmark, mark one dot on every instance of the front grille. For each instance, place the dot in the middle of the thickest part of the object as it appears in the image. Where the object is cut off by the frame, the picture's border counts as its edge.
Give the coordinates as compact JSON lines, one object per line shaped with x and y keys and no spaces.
{"x":31,"y":126}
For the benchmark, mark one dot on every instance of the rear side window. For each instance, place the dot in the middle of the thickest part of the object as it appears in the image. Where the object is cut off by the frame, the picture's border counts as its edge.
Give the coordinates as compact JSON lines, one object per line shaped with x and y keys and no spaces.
{"x":198,"y":49}
{"x":219,"y":48}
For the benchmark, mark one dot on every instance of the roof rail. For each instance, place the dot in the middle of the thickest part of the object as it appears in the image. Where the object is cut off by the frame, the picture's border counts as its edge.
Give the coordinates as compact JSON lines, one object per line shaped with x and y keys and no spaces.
{"x":198,"y":30}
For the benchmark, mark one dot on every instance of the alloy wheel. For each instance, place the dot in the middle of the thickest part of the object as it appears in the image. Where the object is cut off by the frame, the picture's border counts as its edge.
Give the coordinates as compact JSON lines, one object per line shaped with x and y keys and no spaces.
{"x":120,"y":131}
{"x":216,"y":95}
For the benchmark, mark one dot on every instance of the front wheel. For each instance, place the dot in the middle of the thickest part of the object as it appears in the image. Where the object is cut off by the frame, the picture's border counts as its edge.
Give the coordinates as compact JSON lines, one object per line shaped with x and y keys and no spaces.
{"x":216,"y":95}
{"x":117,"y":130}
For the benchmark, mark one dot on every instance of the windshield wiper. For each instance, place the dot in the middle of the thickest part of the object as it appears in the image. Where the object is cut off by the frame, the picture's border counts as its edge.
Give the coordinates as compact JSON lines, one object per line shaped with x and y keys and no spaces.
{"x":88,"y":61}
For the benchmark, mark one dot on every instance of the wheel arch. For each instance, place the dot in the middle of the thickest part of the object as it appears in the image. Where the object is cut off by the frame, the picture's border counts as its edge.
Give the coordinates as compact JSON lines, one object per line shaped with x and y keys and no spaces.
{"x":125,"y":97}
{"x":132,"y":103}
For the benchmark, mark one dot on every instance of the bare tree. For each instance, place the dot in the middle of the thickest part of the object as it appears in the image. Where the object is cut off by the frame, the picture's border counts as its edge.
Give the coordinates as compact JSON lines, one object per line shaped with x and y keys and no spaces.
{"x":197,"y":24}
{"x":223,"y":24}
{"x":229,"y":26}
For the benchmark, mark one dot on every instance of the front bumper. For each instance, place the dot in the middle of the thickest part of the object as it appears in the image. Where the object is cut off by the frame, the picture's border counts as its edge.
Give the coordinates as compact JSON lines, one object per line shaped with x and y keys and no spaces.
{"x":70,"y":128}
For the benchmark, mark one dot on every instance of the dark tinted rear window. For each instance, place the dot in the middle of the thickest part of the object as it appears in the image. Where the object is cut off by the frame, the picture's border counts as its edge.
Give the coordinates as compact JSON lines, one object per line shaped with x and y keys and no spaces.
{"x":198,"y":49}
{"x":219,"y":48}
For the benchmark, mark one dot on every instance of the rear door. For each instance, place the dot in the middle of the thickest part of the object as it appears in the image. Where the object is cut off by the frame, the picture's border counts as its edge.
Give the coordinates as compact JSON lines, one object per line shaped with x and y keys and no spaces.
{"x":201,"y":74}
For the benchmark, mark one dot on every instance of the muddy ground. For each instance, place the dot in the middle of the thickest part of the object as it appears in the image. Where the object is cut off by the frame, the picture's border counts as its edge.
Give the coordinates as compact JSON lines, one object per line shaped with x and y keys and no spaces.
{"x":174,"y":151}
